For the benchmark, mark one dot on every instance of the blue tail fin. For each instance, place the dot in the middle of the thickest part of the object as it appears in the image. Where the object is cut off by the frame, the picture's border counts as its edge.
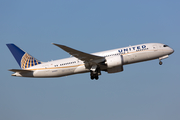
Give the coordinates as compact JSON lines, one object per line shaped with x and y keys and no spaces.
{"x":23,"y":59}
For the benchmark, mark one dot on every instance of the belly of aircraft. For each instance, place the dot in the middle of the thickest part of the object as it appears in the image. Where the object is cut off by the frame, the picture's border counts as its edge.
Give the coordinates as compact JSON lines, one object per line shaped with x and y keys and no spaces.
{"x":54,"y":72}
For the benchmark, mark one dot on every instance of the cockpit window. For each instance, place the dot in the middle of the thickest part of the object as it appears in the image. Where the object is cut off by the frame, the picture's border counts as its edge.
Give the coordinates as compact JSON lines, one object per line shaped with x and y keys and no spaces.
{"x":165,"y":46}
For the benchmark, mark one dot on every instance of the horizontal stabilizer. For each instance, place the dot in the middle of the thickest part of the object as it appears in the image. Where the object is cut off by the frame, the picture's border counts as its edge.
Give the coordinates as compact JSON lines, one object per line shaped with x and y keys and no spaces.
{"x":20,"y":70}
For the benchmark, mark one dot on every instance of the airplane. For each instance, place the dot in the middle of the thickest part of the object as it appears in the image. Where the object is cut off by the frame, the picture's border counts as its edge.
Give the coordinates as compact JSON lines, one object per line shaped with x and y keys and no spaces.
{"x":110,"y":61}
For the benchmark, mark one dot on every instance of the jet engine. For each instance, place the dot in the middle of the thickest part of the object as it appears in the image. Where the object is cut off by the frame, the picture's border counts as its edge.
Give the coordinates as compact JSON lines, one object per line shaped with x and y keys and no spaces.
{"x":114,"y":64}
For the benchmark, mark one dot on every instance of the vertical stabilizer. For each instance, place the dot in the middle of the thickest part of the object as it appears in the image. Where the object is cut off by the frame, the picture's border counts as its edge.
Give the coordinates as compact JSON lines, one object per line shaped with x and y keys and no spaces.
{"x":23,"y":59}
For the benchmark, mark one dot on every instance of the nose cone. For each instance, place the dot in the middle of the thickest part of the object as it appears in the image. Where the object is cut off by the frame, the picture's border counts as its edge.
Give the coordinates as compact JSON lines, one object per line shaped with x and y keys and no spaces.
{"x":171,"y":51}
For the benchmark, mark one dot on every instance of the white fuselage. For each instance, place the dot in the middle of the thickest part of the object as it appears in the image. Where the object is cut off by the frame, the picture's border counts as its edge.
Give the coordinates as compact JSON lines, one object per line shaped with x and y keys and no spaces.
{"x":72,"y":65}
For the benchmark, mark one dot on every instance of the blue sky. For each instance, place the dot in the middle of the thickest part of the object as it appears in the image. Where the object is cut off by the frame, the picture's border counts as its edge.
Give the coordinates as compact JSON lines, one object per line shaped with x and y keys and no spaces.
{"x":142,"y":91}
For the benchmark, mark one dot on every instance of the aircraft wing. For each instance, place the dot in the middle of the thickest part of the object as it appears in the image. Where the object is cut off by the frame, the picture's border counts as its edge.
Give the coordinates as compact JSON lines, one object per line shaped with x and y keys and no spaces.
{"x":20,"y":70}
{"x":81,"y":55}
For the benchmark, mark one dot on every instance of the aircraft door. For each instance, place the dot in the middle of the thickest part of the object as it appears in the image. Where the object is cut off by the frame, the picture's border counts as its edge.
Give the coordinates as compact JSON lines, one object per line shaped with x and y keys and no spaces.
{"x":46,"y":68}
{"x":155,"y":47}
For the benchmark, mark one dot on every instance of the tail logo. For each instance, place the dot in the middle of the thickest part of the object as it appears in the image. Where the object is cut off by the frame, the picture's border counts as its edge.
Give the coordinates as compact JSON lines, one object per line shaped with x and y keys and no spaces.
{"x":28,"y":61}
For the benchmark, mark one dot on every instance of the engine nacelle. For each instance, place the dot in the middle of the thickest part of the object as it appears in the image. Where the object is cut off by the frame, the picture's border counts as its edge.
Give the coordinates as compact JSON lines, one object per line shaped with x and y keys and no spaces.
{"x":114,"y":64}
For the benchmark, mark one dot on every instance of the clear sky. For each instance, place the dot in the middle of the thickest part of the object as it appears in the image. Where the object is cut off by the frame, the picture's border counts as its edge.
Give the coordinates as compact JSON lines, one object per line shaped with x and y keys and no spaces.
{"x":143,"y":91}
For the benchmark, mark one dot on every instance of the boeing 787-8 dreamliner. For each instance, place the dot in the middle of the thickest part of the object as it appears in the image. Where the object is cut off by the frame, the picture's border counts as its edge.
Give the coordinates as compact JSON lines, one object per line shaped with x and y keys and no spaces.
{"x":111,"y":61}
